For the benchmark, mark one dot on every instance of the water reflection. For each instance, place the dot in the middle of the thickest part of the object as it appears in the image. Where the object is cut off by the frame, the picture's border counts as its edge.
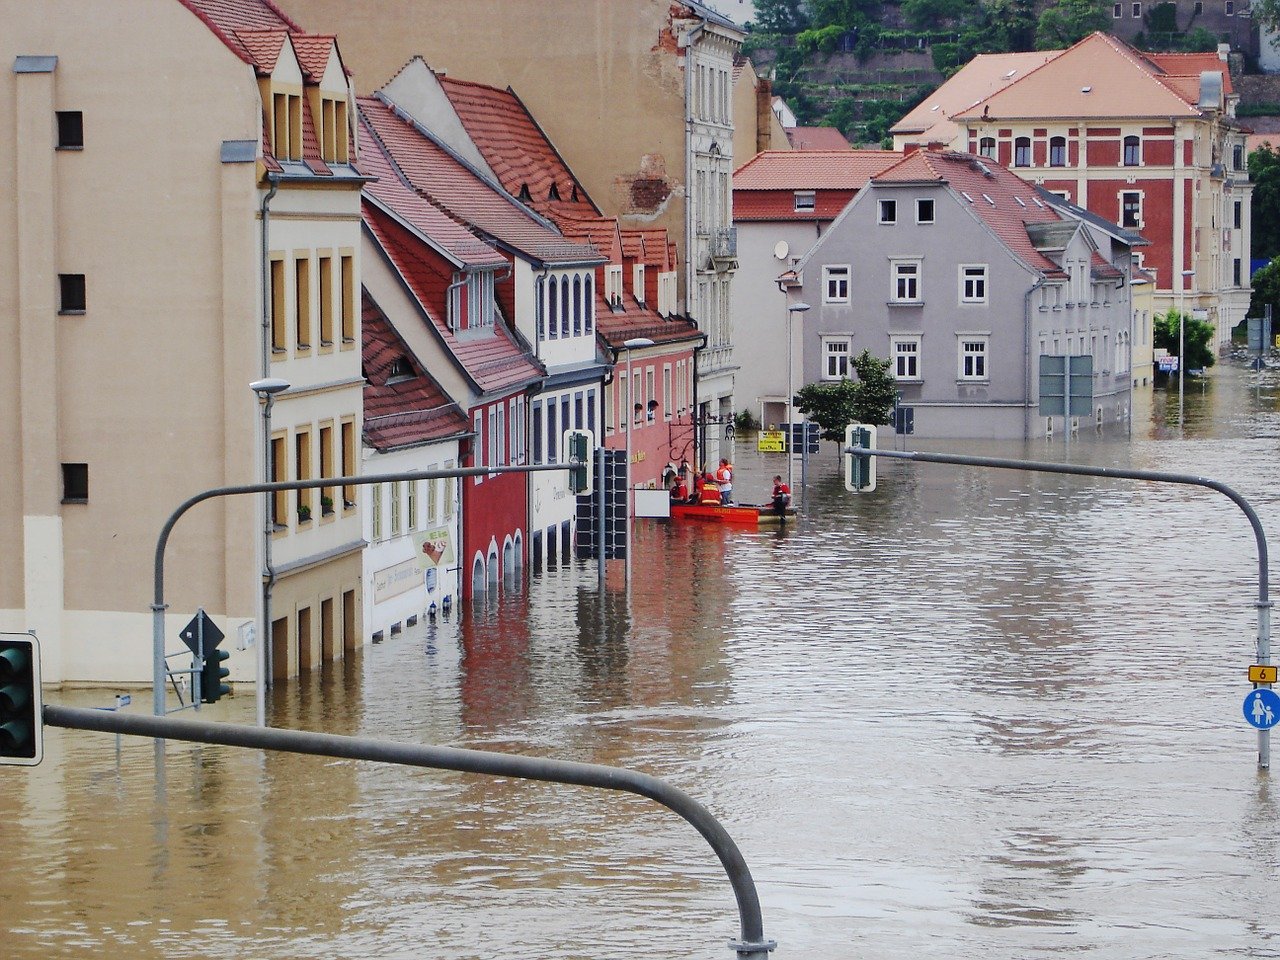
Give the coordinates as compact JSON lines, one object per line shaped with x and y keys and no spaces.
{"x":980,"y":713}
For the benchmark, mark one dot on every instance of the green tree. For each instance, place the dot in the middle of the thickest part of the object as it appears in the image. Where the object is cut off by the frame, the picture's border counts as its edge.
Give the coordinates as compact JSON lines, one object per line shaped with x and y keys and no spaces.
{"x":1266,"y":289}
{"x":933,"y":14}
{"x":1069,"y":21}
{"x":1197,"y":334}
{"x":833,"y":405}
{"x":780,"y":16}
{"x":1264,"y":171}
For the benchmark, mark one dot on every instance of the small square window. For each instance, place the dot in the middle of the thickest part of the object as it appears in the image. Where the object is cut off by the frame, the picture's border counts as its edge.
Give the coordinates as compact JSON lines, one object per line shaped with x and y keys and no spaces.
{"x":71,"y":293}
{"x":924,"y":211}
{"x":75,"y":483}
{"x":70,"y":130}
{"x":888,"y":211}
{"x":1117,"y":11}
{"x":1137,"y":10}
{"x":805,"y":201}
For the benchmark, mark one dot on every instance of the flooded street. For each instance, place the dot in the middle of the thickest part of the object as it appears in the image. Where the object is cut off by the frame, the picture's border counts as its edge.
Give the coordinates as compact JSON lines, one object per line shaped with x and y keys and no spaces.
{"x":975,"y":714}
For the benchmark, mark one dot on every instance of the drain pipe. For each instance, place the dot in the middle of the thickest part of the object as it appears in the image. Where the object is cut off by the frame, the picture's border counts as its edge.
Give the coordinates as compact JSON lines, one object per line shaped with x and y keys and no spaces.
{"x":1026,"y":357}
{"x":268,"y":528}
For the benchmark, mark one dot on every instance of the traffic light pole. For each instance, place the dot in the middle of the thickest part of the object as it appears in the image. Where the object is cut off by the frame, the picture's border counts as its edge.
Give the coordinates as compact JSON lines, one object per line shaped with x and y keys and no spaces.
{"x":751,"y":945}
{"x":1263,"y":603}
{"x":158,"y":605}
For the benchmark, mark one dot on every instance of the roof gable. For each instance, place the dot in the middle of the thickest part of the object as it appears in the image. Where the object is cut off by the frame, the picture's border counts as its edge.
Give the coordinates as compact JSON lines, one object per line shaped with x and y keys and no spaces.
{"x":1098,"y":77}
{"x":228,"y":17}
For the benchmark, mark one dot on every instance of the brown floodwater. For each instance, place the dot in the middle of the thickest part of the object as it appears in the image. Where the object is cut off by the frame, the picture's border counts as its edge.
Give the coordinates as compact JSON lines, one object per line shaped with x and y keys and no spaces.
{"x":973,"y":714}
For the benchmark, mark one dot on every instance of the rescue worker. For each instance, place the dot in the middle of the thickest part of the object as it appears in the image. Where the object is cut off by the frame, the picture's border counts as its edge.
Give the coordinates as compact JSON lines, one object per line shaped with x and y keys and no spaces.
{"x":724,"y":478}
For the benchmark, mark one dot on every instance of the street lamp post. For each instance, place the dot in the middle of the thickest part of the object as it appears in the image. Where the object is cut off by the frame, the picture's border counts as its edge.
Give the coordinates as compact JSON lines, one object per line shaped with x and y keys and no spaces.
{"x":633,"y":344}
{"x":792,"y":310}
{"x":266,"y":389}
{"x":1182,"y":326}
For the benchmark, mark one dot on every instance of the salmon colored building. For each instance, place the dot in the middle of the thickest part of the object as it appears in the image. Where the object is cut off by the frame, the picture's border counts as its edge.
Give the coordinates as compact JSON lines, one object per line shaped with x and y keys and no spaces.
{"x":1149,"y":141}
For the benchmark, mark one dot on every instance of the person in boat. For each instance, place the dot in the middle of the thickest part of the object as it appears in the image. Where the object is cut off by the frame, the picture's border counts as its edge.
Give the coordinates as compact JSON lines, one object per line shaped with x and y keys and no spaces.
{"x":781,"y":497}
{"x":710,"y":495}
{"x":679,"y":489}
{"x":724,"y":479}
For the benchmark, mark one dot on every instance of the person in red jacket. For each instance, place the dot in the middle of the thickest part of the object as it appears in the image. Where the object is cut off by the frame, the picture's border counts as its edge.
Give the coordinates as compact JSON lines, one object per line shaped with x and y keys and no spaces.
{"x":781,"y":497}
{"x":710,"y":493}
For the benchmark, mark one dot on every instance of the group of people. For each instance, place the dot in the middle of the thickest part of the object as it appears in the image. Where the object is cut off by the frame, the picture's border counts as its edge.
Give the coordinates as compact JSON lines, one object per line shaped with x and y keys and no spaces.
{"x":717,"y":488}
{"x":708,"y":488}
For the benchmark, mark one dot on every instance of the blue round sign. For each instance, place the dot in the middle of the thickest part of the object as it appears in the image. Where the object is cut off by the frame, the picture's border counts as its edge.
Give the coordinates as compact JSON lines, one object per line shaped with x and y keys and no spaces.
{"x":1262,"y":708}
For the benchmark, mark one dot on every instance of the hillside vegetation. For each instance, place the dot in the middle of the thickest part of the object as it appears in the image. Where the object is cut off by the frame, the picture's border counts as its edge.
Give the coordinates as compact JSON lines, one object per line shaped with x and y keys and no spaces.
{"x":860,"y":65}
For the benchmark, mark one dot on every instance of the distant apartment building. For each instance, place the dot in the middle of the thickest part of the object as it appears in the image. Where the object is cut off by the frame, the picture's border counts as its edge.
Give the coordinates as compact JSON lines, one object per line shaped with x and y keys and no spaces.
{"x":963,"y":276}
{"x":1145,"y":140}
{"x":165,"y":256}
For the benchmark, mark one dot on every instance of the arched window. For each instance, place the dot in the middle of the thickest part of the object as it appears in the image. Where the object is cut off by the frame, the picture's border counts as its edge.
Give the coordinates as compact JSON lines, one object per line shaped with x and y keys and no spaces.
{"x":493,"y":569}
{"x":589,"y":303}
{"x":564,"y":306}
{"x":1132,"y":151}
{"x":987,"y":147}
{"x":577,"y":305}
{"x":1022,"y":152}
{"x":1057,"y":151}
{"x":541,"y":307}
{"x":553,"y":309}
{"x":477,"y":578}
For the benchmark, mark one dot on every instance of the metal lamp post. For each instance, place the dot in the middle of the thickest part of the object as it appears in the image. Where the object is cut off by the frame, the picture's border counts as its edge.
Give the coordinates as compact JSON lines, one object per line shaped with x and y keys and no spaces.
{"x":1182,"y":326}
{"x":792,"y":310}
{"x":266,"y":389}
{"x":633,"y":344}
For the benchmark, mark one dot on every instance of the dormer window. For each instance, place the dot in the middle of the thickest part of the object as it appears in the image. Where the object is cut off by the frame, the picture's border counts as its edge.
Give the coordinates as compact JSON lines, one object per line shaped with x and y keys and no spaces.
{"x":524,"y":196}
{"x":333,"y":129}
{"x":637,"y":281}
{"x":613,"y":285}
{"x":805,"y":201}
{"x":471,"y":302}
{"x":401,"y":369}
{"x":286,"y":126}
{"x":553,"y":193}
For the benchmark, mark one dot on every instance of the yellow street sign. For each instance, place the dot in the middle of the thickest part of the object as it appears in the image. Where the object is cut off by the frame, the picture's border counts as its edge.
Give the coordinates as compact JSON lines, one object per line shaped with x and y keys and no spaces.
{"x":1258,"y":673}
{"x":772,"y":441}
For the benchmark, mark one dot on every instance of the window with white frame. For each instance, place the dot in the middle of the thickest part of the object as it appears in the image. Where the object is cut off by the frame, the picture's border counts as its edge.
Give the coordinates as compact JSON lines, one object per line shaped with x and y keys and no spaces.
{"x":835,"y":357}
{"x":973,"y":283}
{"x":973,"y":356}
{"x":888,"y":211}
{"x":987,"y":147}
{"x":1131,"y":209}
{"x":477,"y":427}
{"x":905,"y":281}
{"x":1022,"y":152}
{"x":835,"y":284}
{"x":924,"y":210}
{"x":805,"y":201}
{"x":613,"y":284}
{"x":905,"y":353}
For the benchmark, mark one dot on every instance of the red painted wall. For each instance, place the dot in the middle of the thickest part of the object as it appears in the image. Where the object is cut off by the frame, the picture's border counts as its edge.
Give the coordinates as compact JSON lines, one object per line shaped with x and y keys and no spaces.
{"x":493,"y":509}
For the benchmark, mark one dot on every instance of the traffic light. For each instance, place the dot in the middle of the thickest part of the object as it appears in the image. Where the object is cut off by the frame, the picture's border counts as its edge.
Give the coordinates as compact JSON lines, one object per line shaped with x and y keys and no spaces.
{"x":859,"y":469}
{"x":21,"y":710}
{"x":579,"y":447}
{"x":212,"y":674}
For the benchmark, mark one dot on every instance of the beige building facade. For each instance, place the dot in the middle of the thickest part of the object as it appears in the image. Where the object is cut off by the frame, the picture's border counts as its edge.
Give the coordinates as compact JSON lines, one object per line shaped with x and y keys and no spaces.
{"x":132,"y":321}
{"x":639,"y":98}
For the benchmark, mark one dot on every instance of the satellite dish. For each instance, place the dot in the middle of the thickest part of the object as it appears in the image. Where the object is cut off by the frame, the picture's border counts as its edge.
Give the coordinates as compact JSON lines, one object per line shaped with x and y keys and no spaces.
{"x":780,"y":249}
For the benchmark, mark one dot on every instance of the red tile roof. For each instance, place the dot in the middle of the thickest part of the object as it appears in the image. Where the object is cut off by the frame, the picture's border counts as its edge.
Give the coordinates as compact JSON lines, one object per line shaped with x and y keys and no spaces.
{"x":817,"y":138}
{"x":517,"y":149}
{"x":494,"y":363}
{"x":1002,"y":200}
{"x":812,"y":169}
{"x":451,"y":237}
{"x":401,"y":411}
{"x":313,"y":51}
{"x":264,"y":47}
{"x":616,"y":325}
{"x":228,"y":17}
{"x":1191,"y":65}
{"x":437,"y":174}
